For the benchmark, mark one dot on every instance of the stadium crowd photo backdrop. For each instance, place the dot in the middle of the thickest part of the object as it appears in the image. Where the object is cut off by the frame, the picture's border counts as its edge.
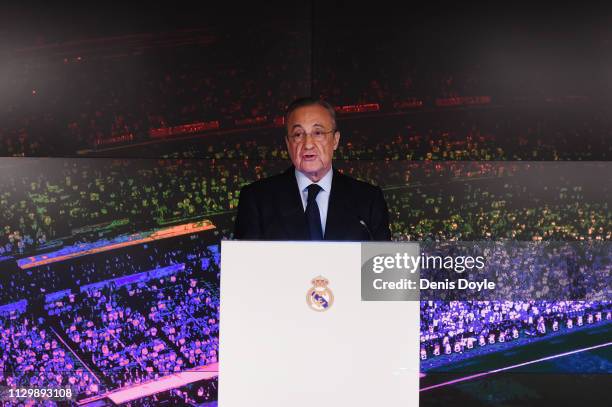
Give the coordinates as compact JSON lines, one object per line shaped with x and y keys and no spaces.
{"x":127,"y":132}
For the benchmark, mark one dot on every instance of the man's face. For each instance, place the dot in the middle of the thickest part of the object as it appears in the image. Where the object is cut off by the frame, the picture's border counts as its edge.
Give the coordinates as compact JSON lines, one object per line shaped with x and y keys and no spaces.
{"x":312,"y":150}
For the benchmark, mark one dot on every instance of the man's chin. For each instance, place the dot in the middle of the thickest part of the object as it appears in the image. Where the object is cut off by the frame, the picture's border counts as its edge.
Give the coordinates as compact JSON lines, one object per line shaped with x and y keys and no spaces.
{"x":310,"y":169}
{"x":314,"y":172}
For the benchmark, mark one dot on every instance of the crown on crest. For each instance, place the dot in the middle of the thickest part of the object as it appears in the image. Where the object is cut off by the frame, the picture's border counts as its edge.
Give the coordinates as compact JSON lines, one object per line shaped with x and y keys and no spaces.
{"x":320,"y":281}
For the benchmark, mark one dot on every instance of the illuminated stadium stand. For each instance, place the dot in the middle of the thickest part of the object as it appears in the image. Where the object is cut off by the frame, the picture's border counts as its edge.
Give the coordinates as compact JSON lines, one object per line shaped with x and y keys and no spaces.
{"x":465,"y":343}
{"x":177,"y":276}
{"x":165,"y":383}
{"x":116,"y":243}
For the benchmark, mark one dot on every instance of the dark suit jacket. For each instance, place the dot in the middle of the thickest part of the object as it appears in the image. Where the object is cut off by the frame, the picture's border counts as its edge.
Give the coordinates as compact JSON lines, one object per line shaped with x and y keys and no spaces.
{"x":271,"y":209}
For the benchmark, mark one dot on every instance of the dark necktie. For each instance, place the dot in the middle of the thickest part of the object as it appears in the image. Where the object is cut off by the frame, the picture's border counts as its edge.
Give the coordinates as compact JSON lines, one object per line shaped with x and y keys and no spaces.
{"x":313,"y":217}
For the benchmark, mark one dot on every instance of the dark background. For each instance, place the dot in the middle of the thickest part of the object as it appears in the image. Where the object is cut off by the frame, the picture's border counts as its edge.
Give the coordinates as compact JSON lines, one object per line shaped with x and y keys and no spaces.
{"x":75,"y":74}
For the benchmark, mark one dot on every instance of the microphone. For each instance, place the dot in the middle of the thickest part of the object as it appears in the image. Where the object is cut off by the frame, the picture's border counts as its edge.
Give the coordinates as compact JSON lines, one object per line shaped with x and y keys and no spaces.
{"x":365,"y":226}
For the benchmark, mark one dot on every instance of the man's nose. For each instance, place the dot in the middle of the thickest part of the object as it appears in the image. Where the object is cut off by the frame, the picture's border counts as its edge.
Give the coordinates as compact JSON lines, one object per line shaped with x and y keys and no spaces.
{"x":308,"y":141}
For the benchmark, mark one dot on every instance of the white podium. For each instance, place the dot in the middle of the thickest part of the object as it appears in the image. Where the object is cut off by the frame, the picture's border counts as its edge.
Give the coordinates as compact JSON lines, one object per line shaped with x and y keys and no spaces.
{"x":285,"y":341}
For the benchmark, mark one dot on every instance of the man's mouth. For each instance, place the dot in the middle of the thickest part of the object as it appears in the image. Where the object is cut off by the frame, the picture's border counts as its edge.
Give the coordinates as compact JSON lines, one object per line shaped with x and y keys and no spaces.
{"x":309,"y":157}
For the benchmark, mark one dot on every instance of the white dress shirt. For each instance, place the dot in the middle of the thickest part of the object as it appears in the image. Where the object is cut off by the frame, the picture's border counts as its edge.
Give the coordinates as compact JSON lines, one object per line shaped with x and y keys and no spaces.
{"x":322,"y":197}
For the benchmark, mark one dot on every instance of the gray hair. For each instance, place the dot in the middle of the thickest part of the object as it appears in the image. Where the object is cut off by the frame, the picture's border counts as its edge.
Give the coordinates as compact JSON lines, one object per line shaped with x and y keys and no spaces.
{"x":310,"y":101}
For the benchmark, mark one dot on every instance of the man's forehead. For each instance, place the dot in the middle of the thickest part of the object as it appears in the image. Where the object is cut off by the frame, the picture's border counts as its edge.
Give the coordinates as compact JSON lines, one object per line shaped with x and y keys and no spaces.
{"x":309,"y":116}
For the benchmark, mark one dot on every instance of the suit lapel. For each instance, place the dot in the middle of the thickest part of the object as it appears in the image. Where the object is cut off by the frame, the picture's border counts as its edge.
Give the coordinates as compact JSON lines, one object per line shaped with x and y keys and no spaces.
{"x":338,"y":211}
{"x":291,"y":209}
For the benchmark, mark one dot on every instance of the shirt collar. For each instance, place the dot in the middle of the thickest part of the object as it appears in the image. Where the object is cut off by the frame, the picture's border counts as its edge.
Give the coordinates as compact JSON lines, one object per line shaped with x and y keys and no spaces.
{"x":303,"y":181}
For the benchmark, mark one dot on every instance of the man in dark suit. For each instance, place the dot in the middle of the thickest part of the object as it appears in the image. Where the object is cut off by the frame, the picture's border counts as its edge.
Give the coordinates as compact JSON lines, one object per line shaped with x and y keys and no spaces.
{"x":311,"y":200}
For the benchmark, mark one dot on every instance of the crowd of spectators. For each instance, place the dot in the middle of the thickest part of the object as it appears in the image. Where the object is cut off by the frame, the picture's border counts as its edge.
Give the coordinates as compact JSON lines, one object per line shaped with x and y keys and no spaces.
{"x":521,"y":270}
{"x":55,"y":199}
{"x":17,"y":284}
{"x":520,"y":207}
{"x":60,"y":105}
{"x":138,"y":333}
{"x":495,"y":133}
{"x":548,"y":270}
{"x":32,"y":356}
{"x":450,"y":327}
{"x":127,"y":333}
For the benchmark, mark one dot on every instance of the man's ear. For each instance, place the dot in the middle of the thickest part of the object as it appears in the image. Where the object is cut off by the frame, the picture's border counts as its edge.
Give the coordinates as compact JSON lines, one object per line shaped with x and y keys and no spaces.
{"x":336,"y":139}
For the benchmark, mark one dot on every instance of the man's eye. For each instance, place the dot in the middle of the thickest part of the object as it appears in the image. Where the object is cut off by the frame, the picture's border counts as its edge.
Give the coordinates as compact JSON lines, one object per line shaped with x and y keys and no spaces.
{"x":317,"y":133}
{"x":298,"y":135}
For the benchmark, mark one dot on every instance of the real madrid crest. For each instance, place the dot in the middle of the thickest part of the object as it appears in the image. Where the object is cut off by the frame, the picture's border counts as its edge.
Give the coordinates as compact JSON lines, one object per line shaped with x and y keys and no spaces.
{"x":319,"y":297}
